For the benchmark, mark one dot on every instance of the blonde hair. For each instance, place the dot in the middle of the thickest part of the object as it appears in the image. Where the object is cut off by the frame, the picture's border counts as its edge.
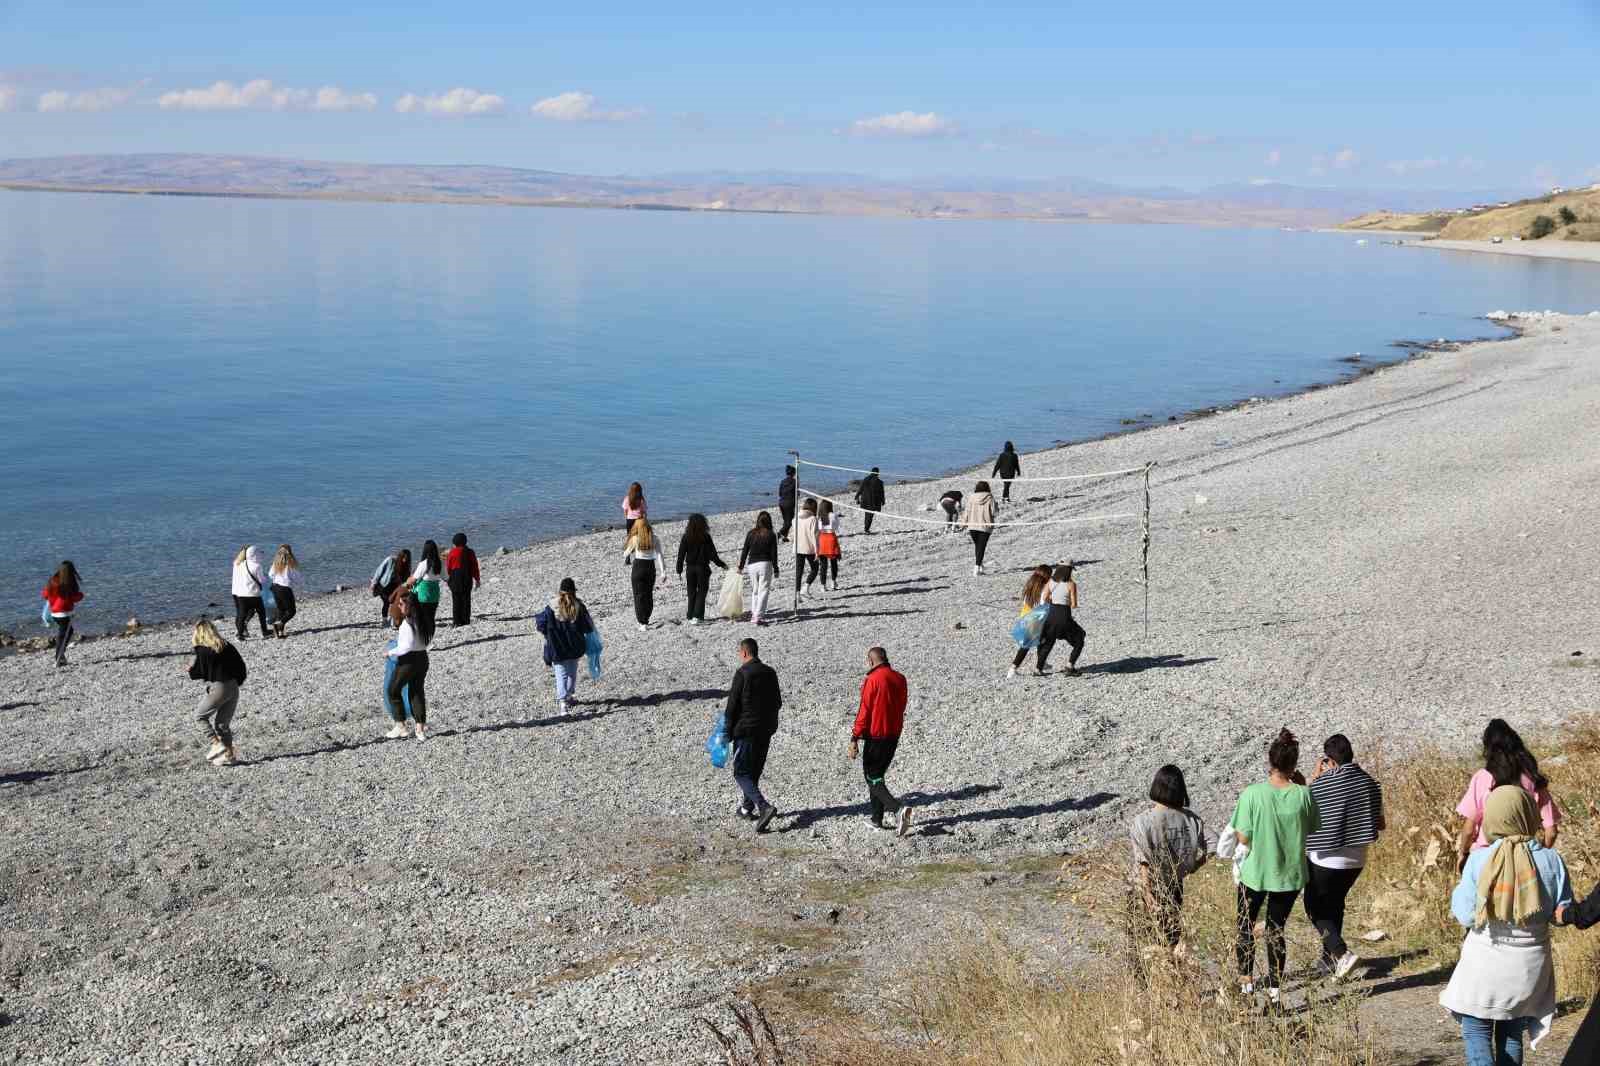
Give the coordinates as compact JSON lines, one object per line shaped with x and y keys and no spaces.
{"x":643,"y":539}
{"x":206,"y":636}
{"x":567,"y":605}
{"x":284,"y":561}
{"x":243,"y":553}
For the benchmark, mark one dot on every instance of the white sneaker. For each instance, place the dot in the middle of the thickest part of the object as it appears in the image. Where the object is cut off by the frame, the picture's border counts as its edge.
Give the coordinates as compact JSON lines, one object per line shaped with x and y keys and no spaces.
{"x":217,"y":748}
{"x":977,"y":570}
{"x":422,"y":734}
{"x":694,"y":621}
{"x":905,"y":820}
{"x":1011,"y":672}
{"x":643,"y":626}
{"x":1342,"y":968}
{"x":396,"y":731}
{"x":563,"y":707}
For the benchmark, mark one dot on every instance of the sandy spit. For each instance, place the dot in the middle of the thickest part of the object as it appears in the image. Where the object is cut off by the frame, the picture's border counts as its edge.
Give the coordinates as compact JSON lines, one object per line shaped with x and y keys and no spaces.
{"x":1575,"y":251}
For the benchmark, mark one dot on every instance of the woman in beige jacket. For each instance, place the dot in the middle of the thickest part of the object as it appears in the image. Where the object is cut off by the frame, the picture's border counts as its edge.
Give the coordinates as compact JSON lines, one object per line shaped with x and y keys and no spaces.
{"x":978,"y":519}
{"x":805,"y":547}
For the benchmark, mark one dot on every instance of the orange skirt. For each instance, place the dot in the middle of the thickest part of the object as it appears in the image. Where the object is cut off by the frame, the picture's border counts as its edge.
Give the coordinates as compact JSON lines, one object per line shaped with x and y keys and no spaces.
{"x":827,"y":545}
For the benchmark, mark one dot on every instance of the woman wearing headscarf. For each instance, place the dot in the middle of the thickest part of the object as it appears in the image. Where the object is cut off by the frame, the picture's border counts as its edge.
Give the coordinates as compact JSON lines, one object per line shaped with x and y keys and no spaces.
{"x":1503,"y":991}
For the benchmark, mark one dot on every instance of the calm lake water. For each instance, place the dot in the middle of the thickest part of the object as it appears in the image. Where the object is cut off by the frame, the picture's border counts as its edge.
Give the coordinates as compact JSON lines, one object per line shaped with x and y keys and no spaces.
{"x":183,"y":376}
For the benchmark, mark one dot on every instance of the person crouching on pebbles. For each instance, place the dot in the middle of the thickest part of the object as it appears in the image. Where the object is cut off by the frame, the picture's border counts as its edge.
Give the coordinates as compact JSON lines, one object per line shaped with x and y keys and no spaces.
{"x":410,"y":655}
{"x":565,"y":624}
{"x":219,"y":665}
{"x":879,"y":723}
{"x":751,"y":719}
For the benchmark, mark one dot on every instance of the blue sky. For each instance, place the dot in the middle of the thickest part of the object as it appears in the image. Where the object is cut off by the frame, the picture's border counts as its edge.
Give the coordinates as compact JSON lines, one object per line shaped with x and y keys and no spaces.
{"x":1406,"y":93}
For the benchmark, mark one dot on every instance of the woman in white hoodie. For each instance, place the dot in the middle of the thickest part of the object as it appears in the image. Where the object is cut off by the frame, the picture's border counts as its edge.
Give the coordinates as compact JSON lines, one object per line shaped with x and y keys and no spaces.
{"x":978,"y":520}
{"x":248,"y":578}
{"x":805,"y":532}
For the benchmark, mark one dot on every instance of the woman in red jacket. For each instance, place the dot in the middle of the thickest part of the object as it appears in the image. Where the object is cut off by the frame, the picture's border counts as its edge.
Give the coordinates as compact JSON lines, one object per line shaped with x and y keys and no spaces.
{"x":63,"y":594}
{"x":461,"y":574}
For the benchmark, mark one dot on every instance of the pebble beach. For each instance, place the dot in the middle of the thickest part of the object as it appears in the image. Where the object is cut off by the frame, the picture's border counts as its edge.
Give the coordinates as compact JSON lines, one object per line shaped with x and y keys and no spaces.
{"x":1399,"y":558}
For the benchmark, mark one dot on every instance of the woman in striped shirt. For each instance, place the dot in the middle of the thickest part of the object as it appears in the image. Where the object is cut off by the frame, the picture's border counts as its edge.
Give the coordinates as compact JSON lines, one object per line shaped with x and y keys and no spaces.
{"x":1350,"y":810}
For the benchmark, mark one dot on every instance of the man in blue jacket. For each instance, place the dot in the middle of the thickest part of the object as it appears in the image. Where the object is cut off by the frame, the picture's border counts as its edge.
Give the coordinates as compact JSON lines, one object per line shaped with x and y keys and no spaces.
{"x":750,"y":720}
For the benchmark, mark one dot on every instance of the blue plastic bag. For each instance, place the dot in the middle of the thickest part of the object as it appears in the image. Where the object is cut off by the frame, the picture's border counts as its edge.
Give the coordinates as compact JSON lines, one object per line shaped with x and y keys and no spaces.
{"x":717,"y":744}
{"x":45,"y":617}
{"x":267,"y":599}
{"x":389,"y":664}
{"x":593,"y":646}
{"x":1028,"y":628}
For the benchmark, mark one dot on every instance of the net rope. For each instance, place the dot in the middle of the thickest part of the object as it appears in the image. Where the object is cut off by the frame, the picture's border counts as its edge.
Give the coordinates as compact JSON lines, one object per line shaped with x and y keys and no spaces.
{"x":956,"y":477}
{"x":943,"y":522}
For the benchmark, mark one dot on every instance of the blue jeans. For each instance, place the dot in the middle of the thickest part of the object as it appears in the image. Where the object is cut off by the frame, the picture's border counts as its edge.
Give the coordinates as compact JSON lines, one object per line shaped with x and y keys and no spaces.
{"x":1492,"y":1043}
{"x":566,"y":678}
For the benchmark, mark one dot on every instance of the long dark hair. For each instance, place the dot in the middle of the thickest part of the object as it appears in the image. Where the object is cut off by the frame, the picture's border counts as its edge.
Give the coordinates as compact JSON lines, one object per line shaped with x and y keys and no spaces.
{"x":64,"y":582}
{"x":430,"y":555}
{"x":402,"y":563}
{"x":635,"y":494}
{"x":1284,"y":754}
{"x":1506,"y":758}
{"x":697,"y":532}
{"x":764,"y":521}
{"x":420,"y":623}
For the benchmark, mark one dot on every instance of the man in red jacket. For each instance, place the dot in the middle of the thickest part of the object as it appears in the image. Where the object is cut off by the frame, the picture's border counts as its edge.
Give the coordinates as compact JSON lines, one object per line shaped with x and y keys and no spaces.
{"x":879,"y":722}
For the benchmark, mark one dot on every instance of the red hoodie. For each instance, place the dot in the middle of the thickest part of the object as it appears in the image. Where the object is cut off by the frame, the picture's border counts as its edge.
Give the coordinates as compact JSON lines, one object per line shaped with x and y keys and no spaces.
{"x":459,"y":557}
{"x":883,"y":704}
{"x":60,"y":604}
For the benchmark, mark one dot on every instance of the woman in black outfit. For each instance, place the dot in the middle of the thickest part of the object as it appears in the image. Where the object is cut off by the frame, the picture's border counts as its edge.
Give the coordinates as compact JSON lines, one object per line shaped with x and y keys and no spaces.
{"x":1062,"y":595}
{"x":697,"y":551}
{"x":1585,"y":1047}
{"x":759,"y":561}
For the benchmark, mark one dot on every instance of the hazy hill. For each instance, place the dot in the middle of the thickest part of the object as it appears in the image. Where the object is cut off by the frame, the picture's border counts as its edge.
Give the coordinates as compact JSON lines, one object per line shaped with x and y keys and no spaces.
{"x":1572,"y":216}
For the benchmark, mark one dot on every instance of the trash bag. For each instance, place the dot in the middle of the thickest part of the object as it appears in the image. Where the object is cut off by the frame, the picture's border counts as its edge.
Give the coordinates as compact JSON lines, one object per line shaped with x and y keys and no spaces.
{"x":718,"y":746}
{"x":268,"y":600}
{"x":45,"y":617}
{"x":730,"y":602}
{"x":389,"y":664}
{"x":1028,"y":628}
{"x":593,"y":646}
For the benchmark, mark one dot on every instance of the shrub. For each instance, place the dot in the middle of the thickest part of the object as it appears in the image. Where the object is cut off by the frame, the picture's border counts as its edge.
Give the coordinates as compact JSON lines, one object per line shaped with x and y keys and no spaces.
{"x":1542,"y":226}
{"x":1568,"y":216}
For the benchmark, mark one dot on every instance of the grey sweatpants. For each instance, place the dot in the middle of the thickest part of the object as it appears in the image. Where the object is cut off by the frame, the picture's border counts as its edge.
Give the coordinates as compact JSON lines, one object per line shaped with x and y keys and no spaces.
{"x":217,"y":705}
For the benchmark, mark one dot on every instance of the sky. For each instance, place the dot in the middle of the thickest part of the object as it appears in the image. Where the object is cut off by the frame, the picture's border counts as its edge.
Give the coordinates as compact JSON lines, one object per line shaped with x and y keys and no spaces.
{"x":1433,"y":94}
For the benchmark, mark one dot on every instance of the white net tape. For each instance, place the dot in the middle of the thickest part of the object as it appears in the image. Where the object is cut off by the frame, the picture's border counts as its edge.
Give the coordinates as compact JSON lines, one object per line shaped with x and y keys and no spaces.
{"x":941,"y":521}
{"x":956,"y":477}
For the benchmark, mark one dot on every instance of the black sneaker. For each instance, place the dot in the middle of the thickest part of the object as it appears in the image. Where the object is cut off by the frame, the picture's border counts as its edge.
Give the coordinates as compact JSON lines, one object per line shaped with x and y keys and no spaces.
{"x":764,"y":818}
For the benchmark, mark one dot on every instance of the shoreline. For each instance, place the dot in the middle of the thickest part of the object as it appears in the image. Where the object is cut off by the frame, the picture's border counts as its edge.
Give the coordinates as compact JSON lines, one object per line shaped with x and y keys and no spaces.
{"x":1566,"y":251}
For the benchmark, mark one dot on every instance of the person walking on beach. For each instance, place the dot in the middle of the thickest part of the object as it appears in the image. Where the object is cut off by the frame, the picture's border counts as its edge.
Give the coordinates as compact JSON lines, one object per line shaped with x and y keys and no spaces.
{"x":565,"y":624}
{"x":1169,"y":844}
{"x":950,"y":504}
{"x":1006,"y":467}
{"x":1585,"y":1047}
{"x":978,"y":520}
{"x":697,"y":552}
{"x":643,"y":553}
{"x":805,"y":549}
{"x":1350,"y":811}
{"x":1062,"y":595}
{"x":880,"y":719}
{"x":219,"y":665}
{"x":1032,"y":596}
{"x":426,"y":582}
{"x":870,"y":497}
{"x":285,"y":577}
{"x":62,"y":594}
{"x":1506,"y":761}
{"x":758,"y":559}
{"x":387,"y":579}
{"x":786,"y":493}
{"x":410,"y":653}
{"x":249,"y":575}
{"x":751,"y":719}
{"x":1273,"y":819}
{"x":828,"y":533}
{"x":462,"y":575}
{"x":633,"y":505}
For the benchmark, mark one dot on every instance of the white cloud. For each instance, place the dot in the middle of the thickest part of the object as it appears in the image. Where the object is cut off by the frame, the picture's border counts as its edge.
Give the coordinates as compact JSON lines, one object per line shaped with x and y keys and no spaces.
{"x":262,"y":95}
{"x":1417,"y":166}
{"x":454,"y":102}
{"x":87,"y":100}
{"x":904,"y":124}
{"x":1274,"y":157}
{"x":1345,"y":158}
{"x":8,"y":98}
{"x":579,"y":107}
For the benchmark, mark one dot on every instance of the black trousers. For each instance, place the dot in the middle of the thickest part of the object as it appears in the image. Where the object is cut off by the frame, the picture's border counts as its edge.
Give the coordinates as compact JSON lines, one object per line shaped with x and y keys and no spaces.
{"x":876,"y":755}
{"x":644,"y":589}
{"x":410,"y":673}
{"x":808,"y":564}
{"x":430,"y":611}
{"x":243,"y":608}
{"x":749,"y":760}
{"x":1325,"y":895}
{"x":980,"y":545}
{"x":1060,"y":626}
{"x":866,"y":521}
{"x":461,"y":596}
{"x":828,"y":568}
{"x":1005,"y":490}
{"x":283,"y":607}
{"x":698,"y":580}
{"x":787,"y":510}
{"x":1278,"y":906}
{"x":63,"y":634}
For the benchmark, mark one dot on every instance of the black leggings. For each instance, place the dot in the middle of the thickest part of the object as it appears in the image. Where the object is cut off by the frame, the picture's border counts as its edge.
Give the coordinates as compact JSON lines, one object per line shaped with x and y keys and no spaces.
{"x":410,"y":671}
{"x":1326,"y":890}
{"x":644,"y":589}
{"x":807,"y":563}
{"x":63,"y":635}
{"x":243,"y":608}
{"x":1278,"y":905}
{"x":698,"y":580}
{"x":980,"y":544}
{"x":282,"y":605}
{"x":461,"y":596}
{"x":828,"y":565}
{"x":1060,"y":626}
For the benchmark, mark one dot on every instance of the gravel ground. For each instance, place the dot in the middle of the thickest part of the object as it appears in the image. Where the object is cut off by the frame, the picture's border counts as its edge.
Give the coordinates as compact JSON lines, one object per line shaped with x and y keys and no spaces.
{"x":1399,"y":558}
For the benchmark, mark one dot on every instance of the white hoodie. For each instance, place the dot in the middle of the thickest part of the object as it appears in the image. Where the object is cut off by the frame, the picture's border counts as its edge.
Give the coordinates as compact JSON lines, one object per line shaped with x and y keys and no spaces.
{"x":1228,"y":847}
{"x":248,"y":576}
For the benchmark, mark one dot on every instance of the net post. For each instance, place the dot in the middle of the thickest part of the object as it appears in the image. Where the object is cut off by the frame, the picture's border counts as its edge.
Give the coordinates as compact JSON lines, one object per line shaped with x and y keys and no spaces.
{"x":796,"y":455}
{"x":1145,"y":554}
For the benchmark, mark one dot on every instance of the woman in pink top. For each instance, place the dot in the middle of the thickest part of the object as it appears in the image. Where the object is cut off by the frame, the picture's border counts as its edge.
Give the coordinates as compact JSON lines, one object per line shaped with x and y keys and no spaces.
{"x":1506,"y":761}
{"x":633,"y":506}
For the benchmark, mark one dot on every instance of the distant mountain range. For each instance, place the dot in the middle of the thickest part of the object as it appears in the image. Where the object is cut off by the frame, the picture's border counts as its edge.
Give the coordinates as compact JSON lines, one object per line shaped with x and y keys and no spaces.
{"x":1061,"y":199}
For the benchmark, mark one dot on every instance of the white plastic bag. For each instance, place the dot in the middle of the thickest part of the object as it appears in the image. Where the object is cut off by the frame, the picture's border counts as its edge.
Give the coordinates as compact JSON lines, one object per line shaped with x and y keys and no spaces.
{"x":730,"y":603}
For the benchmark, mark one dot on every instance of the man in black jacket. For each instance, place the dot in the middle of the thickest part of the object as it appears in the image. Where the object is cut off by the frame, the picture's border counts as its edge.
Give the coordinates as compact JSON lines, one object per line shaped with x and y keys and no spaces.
{"x":869,"y":496}
{"x":751,"y":719}
{"x":786,"y":501}
{"x":1006,"y":467}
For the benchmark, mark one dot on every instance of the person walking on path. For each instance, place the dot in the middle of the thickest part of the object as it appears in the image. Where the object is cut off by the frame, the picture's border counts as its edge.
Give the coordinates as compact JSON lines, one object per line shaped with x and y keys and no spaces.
{"x":387,"y":579}
{"x":1585,"y":1047}
{"x":978,"y":520}
{"x":566,"y":626}
{"x":219,"y":665}
{"x":62,"y":594}
{"x":426,"y":583}
{"x":1350,"y":811}
{"x":643,"y":553}
{"x":950,"y":504}
{"x":633,"y":505}
{"x":786,"y":493}
{"x":870,"y":497}
{"x":249,"y":575}
{"x":410,"y":653}
{"x":1032,"y":596}
{"x":805,"y":549}
{"x":286,"y":578}
{"x":759,"y":559}
{"x":1006,"y":467}
{"x":1273,"y":818}
{"x":880,"y":720}
{"x":750,"y":720}
{"x":1506,"y":761}
{"x":828,"y":533}
{"x":462,"y":575}
{"x":1503,"y":990}
{"x":1169,"y":844}
{"x":697,"y":552}
{"x":1062,"y":595}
